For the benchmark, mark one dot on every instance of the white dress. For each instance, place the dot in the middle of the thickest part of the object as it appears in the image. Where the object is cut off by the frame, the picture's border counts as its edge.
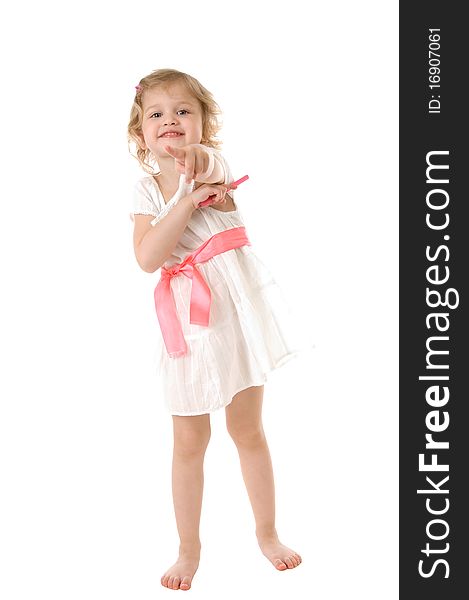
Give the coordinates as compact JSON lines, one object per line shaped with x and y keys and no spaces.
{"x":252,"y":329}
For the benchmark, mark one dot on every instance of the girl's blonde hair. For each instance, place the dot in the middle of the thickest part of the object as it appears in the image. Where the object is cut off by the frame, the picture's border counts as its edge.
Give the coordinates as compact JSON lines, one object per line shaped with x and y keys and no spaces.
{"x":211,"y":124}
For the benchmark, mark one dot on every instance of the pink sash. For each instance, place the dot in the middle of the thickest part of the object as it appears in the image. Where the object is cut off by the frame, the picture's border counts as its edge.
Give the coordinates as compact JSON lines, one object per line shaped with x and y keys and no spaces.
{"x":200,"y":292}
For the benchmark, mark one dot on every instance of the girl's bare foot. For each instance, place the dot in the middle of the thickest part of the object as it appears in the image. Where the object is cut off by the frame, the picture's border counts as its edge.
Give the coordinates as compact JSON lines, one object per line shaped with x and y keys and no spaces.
{"x":180,"y":575}
{"x":279,"y":555}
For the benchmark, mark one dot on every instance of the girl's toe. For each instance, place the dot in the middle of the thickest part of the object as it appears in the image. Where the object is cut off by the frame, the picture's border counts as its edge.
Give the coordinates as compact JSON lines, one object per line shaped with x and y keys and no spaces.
{"x":186,"y":583}
{"x":280,"y":564}
{"x":288,"y":562}
{"x":176,"y":582}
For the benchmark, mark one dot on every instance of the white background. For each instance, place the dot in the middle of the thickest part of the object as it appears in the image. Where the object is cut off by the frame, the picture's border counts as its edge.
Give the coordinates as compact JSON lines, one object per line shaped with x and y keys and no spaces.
{"x":309,"y":98}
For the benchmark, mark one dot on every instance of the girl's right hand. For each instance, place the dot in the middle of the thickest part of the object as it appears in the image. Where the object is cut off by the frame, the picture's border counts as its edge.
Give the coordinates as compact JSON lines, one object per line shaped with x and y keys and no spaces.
{"x":205,"y":191}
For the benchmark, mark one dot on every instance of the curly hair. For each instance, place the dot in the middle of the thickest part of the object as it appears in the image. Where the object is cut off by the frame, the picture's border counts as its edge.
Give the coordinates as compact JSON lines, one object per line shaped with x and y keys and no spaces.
{"x":211,"y":124}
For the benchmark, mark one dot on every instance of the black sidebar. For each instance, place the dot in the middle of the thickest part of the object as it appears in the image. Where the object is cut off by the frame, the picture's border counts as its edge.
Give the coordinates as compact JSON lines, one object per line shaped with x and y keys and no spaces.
{"x":433,"y":262}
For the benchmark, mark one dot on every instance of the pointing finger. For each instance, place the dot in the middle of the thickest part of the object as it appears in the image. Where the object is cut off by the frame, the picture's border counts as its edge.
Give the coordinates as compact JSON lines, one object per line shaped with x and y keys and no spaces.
{"x":176,"y":152}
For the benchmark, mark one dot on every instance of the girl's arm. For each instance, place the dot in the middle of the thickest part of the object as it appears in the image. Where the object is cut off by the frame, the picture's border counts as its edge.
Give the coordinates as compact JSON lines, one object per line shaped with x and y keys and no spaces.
{"x":188,"y":155}
{"x":153,"y":245}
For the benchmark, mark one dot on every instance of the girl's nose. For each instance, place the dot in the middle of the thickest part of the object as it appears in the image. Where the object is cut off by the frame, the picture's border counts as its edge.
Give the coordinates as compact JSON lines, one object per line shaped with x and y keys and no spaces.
{"x":170,"y":121}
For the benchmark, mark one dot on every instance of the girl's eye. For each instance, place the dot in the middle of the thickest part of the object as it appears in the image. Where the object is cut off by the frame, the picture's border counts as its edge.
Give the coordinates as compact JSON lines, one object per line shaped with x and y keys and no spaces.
{"x":181,"y":110}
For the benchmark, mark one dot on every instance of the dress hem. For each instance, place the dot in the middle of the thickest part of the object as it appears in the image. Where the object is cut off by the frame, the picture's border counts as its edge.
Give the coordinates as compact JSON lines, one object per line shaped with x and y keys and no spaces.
{"x":286,"y":358}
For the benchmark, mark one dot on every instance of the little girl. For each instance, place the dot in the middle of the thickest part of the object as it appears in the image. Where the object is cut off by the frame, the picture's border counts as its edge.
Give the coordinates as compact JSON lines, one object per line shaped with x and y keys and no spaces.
{"x":223,"y":320}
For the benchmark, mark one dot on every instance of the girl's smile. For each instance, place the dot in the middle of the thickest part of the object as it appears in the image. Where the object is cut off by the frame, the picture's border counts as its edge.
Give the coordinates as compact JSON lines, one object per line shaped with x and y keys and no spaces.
{"x":170,"y":113}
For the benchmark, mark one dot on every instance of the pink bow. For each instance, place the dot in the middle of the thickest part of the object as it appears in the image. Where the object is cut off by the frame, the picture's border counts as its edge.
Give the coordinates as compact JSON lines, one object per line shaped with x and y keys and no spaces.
{"x":200,"y":293}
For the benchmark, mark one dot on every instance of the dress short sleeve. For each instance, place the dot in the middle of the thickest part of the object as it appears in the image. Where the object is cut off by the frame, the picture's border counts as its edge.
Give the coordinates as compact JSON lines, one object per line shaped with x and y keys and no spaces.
{"x":142,"y":202}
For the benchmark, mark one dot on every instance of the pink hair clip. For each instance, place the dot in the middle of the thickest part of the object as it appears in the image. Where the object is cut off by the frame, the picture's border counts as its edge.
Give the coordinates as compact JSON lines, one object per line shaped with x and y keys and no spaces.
{"x":138,"y":88}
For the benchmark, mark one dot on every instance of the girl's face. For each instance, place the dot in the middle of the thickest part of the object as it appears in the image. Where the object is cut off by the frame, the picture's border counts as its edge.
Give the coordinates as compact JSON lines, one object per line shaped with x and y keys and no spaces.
{"x":170,"y":109}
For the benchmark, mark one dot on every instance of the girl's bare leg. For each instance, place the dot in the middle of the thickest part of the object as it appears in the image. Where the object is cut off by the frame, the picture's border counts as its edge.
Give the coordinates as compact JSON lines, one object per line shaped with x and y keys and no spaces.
{"x":244,"y":424}
{"x":191,"y":437}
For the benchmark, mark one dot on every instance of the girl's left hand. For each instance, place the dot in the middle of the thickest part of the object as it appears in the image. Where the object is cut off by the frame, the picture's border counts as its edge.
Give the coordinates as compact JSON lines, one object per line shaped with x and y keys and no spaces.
{"x":191,"y":160}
